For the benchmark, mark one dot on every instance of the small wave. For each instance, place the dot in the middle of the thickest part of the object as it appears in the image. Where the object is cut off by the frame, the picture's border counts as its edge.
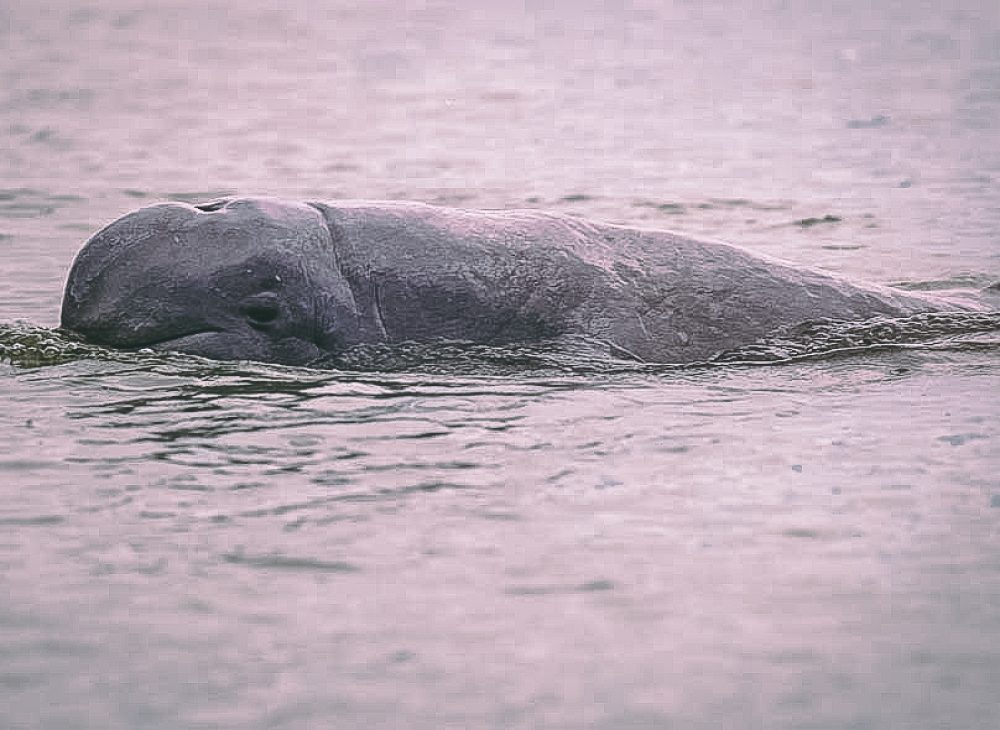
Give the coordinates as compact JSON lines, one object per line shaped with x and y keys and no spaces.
{"x":566,"y":356}
{"x":963,"y":282}
{"x":824,"y":338}
{"x":29,"y":203}
{"x":286,"y":562}
{"x":26,"y":346}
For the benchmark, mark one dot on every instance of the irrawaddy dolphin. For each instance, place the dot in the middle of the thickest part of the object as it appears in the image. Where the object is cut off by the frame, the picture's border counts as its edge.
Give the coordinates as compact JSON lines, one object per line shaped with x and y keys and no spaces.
{"x":279,"y":281}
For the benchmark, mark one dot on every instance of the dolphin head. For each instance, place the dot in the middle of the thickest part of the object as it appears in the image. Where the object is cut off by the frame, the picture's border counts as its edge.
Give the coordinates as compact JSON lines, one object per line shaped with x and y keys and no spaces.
{"x":234,"y":279}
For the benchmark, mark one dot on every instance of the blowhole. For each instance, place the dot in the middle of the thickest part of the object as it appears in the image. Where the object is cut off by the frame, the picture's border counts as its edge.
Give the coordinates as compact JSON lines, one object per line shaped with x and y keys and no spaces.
{"x":212,"y":206}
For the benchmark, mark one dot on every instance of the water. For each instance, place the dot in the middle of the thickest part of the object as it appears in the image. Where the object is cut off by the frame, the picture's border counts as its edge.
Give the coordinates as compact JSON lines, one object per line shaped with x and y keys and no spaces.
{"x":806,"y":545}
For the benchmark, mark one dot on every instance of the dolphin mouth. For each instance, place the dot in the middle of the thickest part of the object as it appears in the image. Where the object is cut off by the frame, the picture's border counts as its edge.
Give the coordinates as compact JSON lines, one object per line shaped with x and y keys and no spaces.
{"x":173,"y":342}
{"x":221,"y":344}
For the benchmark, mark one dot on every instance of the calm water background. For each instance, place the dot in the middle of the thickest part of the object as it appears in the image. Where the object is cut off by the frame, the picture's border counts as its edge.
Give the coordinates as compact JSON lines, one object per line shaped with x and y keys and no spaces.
{"x":236,"y":546}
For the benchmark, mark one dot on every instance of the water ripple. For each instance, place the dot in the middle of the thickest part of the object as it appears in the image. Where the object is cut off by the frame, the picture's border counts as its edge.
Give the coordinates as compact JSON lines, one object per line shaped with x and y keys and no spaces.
{"x":285,"y":562}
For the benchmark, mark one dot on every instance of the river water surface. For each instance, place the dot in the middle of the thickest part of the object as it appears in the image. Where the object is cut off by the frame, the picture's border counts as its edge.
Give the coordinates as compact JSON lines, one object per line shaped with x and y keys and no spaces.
{"x":813,"y":544}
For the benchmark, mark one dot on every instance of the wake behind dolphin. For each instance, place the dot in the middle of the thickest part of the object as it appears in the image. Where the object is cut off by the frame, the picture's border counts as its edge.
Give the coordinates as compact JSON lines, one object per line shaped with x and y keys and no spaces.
{"x":295,"y":283}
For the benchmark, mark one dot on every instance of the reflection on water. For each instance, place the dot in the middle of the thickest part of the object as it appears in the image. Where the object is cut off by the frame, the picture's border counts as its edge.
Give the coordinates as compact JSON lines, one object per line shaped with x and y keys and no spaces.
{"x":704,"y":543}
{"x":509,"y":539}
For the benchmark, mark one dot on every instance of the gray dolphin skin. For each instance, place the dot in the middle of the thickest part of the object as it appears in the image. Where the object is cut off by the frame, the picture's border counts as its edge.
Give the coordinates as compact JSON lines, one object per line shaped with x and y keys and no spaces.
{"x":277,"y":281}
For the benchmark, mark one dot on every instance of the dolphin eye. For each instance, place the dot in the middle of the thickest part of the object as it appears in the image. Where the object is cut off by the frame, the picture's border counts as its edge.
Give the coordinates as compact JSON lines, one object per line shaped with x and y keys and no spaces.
{"x":261,"y":309}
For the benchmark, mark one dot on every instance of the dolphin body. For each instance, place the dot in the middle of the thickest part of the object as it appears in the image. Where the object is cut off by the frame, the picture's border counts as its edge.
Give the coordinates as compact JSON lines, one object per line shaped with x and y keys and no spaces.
{"x":279,"y":281}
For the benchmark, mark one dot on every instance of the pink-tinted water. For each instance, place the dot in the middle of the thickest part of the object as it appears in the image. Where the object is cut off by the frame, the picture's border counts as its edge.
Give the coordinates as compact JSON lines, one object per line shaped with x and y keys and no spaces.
{"x":805,"y":546}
